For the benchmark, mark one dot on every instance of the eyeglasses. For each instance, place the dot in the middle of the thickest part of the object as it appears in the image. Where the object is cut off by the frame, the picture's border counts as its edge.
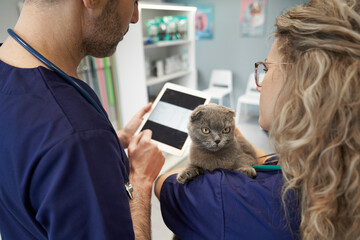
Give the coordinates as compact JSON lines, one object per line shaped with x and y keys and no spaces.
{"x":260,"y":70}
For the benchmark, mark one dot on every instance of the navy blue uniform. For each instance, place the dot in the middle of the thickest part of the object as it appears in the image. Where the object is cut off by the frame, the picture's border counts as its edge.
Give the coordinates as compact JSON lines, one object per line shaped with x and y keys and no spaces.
{"x":61,"y":165}
{"x":228,"y":205}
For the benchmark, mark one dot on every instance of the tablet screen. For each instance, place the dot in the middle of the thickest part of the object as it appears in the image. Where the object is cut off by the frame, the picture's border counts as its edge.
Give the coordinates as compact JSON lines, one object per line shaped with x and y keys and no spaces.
{"x":168,"y":120}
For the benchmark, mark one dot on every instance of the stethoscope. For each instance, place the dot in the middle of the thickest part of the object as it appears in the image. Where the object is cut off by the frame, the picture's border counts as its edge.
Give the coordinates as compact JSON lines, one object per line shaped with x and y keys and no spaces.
{"x":128,"y":187}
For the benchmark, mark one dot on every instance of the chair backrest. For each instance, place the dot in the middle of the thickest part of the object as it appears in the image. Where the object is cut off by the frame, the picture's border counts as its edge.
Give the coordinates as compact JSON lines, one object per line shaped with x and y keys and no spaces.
{"x":251,"y":86}
{"x":221,"y":78}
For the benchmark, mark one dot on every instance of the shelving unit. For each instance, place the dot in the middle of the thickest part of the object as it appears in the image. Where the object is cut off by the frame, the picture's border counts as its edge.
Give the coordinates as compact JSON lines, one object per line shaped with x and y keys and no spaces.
{"x":167,"y":44}
{"x":135,"y":89}
{"x":156,"y":80}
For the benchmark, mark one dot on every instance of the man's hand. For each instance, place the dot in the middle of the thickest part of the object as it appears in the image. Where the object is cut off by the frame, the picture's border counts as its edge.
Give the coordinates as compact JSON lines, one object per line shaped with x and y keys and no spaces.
{"x":128,"y":132}
{"x":146,"y":161}
{"x":145,"y":158}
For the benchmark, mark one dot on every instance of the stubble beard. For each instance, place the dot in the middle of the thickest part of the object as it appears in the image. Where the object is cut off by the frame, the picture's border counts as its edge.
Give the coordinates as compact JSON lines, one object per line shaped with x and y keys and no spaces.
{"x":105,"y":33}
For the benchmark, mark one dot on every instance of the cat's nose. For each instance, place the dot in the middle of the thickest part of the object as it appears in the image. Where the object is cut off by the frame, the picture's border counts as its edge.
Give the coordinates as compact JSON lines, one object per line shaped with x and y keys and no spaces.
{"x":217,"y":141}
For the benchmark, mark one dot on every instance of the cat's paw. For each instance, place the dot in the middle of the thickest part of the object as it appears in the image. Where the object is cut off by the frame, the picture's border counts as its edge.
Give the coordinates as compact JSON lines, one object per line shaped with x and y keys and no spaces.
{"x":248,"y":171}
{"x":182,"y":177}
{"x":188,"y":174}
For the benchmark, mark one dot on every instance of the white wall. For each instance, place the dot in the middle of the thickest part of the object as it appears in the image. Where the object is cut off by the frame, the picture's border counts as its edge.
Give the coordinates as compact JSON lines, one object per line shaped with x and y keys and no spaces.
{"x":8,"y":16}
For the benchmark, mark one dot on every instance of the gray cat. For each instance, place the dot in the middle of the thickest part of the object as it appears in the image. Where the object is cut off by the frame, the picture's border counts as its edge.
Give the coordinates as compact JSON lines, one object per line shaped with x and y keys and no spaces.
{"x":216,"y":145}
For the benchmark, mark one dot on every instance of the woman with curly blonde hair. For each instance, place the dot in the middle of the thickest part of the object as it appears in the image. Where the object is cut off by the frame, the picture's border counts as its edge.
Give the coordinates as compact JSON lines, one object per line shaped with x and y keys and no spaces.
{"x":317,"y":129}
{"x":311,"y":106}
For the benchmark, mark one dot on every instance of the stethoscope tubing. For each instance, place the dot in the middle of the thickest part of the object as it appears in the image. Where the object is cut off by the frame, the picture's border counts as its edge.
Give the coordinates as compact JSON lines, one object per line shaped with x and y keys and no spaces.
{"x":68,"y":79}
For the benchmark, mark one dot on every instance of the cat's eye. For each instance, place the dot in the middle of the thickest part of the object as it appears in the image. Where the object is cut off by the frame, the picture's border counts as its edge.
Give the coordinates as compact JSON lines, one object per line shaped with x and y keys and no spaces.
{"x":226,"y":130}
{"x":205,"y":130}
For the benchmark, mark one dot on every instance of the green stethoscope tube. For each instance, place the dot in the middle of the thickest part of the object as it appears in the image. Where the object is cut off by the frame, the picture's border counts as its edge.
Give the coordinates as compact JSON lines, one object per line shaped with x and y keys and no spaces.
{"x":267,"y":167}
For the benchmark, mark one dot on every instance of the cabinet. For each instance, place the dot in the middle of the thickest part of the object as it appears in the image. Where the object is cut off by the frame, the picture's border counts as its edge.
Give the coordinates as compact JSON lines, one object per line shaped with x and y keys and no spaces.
{"x":133,"y":57}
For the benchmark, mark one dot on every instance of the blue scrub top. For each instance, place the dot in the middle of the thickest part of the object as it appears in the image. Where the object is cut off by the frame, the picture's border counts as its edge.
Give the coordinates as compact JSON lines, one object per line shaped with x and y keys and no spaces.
{"x":228,"y":205}
{"x":61,"y":165}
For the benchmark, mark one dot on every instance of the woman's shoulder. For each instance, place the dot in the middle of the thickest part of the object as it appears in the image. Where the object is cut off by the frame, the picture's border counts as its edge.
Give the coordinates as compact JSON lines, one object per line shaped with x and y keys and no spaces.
{"x":226,"y":200}
{"x":225,"y":185}
{"x":265,"y":177}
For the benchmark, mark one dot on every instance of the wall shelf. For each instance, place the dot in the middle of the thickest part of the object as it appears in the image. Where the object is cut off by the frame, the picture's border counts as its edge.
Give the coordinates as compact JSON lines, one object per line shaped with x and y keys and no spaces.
{"x":167,"y":44}
{"x":156,"y":80}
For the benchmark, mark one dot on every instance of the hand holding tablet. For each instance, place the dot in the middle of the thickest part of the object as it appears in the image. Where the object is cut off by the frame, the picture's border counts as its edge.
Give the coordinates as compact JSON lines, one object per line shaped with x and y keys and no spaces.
{"x":169,"y":116}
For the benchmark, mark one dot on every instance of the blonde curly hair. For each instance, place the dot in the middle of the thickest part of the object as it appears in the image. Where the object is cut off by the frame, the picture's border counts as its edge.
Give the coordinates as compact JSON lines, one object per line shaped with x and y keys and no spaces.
{"x":317,"y":128}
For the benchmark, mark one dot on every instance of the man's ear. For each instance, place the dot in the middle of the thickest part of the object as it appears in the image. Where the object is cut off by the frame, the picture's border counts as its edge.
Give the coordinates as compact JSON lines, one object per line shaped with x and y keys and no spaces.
{"x":94,"y":7}
{"x":92,"y":3}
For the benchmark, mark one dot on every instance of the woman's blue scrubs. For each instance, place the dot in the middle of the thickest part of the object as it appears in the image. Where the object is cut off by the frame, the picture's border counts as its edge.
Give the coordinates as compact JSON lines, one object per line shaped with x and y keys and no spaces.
{"x":61,"y":165}
{"x":227,"y":205}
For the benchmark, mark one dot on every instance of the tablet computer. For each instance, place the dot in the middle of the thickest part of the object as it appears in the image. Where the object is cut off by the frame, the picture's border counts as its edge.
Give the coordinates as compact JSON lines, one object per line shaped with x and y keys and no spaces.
{"x":169,"y":116}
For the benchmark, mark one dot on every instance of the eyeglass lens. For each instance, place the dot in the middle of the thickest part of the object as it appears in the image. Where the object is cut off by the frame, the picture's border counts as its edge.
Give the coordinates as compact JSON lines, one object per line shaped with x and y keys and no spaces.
{"x":260,"y":73}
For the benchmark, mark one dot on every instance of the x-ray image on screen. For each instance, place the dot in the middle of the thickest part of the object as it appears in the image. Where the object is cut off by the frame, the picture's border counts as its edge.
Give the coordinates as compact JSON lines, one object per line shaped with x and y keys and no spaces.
{"x":168,"y":121}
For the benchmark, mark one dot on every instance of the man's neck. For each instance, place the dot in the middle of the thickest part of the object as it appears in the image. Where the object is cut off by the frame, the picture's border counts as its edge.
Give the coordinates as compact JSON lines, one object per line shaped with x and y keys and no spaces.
{"x":58,"y":39}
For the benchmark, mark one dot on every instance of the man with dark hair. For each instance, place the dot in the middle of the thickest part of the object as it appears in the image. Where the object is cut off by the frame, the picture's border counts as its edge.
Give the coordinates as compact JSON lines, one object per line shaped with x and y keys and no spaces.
{"x":63,"y":169}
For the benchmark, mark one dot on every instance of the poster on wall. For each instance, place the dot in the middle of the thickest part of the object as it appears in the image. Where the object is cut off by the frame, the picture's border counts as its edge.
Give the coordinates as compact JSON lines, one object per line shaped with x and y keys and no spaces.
{"x":252,"y":18}
{"x":204,"y":22}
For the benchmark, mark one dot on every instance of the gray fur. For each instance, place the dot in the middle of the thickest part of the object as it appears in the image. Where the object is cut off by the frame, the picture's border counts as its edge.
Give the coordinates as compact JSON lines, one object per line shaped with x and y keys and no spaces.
{"x":232,"y":152}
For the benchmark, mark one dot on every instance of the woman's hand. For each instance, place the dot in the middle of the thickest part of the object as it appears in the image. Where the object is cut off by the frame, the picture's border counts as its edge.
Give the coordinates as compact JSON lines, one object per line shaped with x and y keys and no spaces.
{"x":128,"y":132}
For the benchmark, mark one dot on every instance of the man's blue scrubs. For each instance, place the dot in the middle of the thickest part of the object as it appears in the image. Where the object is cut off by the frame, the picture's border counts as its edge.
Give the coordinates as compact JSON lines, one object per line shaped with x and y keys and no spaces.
{"x":228,"y":205}
{"x":61,"y":165}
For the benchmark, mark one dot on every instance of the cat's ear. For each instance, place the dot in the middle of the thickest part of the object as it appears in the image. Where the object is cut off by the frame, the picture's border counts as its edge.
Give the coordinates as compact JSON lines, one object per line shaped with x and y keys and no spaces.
{"x":196,"y":115}
{"x":230,"y":112}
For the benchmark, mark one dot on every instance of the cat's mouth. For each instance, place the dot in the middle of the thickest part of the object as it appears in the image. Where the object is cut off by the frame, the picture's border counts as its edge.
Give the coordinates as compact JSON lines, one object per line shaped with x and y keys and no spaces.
{"x":214,"y":147}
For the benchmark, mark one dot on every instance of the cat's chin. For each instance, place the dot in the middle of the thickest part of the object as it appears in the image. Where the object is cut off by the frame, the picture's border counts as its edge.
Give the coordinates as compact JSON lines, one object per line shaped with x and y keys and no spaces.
{"x":214,"y":148}
{"x":207,"y":148}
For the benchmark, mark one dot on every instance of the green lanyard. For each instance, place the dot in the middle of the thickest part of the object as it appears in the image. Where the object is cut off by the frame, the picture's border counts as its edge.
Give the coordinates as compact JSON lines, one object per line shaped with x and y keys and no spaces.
{"x":267,"y":167}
